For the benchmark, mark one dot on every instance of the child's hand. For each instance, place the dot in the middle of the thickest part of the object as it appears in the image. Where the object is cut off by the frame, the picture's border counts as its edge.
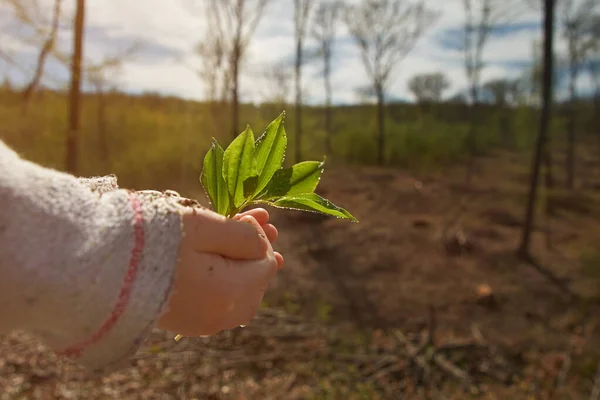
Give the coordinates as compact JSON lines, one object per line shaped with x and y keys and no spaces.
{"x":224,"y":268}
{"x":262,"y":217}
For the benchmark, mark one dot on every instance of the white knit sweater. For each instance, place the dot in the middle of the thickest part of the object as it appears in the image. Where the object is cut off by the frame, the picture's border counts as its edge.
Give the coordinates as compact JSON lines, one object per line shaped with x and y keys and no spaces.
{"x":86,"y":266}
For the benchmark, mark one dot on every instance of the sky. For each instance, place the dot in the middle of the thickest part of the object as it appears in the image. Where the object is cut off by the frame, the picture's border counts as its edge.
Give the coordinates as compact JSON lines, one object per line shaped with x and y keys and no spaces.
{"x":167,"y":31}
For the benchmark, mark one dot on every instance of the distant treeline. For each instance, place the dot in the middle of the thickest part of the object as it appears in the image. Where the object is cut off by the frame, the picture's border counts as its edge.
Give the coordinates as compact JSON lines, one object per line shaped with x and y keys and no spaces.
{"x":150,"y":140}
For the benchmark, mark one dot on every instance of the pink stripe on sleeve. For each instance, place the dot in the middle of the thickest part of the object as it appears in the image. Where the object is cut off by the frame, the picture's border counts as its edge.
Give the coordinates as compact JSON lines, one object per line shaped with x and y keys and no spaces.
{"x":126,"y":288}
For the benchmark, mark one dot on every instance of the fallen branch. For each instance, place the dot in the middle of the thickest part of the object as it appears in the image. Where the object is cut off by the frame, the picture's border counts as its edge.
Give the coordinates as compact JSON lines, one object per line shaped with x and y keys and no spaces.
{"x":464,"y":345}
{"x":275,"y":337}
{"x":384,"y":371}
{"x":440,"y":361}
{"x":365,"y":357}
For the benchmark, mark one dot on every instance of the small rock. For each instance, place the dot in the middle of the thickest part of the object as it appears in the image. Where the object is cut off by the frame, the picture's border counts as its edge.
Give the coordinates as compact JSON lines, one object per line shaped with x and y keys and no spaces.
{"x":485,"y":296}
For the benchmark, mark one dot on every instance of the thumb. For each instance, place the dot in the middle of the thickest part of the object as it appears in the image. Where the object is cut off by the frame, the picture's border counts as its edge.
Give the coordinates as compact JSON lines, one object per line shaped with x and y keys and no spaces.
{"x":209,"y":232}
{"x":248,"y":219}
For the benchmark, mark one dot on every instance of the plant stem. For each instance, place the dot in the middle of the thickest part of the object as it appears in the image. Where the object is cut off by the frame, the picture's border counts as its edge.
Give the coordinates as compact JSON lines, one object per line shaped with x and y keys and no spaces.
{"x":245,"y":204}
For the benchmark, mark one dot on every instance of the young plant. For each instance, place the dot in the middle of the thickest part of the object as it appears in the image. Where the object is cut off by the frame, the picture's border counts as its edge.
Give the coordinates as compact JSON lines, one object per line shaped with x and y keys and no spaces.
{"x":250,"y":172}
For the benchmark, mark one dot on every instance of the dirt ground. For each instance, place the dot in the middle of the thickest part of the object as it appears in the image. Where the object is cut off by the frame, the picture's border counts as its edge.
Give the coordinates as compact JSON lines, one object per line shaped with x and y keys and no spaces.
{"x":424,"y":298}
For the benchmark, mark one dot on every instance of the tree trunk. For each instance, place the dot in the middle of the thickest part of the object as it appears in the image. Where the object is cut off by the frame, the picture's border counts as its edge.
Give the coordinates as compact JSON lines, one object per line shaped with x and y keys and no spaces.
{"x":549,"y":176}
{"x":380,"y":127}
{"x":41,"y":61}
{"x":298,"y":119}
{"x":471,"y":134}
{"x":545,"y":115}
{"x":328,"y":111}
{"x":596,"y":119}
{"x":506,"y":131}
{"x":570,"y":159}
{"x":74,"y":103}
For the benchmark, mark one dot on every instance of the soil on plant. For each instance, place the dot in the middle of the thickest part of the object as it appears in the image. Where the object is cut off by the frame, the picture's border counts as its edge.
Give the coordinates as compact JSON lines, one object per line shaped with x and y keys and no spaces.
{"x":430,"y":256}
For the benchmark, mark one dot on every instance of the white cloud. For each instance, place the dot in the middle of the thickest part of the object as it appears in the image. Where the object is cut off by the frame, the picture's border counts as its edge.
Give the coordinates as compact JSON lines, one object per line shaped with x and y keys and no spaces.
{"x":176,"y":79}
{"x":172,"y":28}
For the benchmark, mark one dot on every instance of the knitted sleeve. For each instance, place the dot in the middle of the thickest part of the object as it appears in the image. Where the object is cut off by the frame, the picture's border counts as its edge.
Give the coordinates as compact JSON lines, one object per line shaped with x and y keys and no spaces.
{"x":84,"y":265}
{"x":100,"y":184}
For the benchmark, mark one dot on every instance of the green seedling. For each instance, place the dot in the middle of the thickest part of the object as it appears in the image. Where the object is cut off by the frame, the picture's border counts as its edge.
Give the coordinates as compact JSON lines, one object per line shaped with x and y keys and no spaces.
{"x":249,"y":172}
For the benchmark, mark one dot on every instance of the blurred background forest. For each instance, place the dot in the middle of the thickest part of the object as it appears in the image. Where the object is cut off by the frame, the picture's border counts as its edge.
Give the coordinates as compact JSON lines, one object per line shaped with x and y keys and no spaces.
{"x":464,"y":135}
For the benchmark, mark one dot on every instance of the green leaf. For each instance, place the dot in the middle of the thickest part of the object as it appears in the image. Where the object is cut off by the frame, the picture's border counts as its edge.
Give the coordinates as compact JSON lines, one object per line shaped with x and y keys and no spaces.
{"x":250,"y":186}
{"x":301,"y":178}
{"x":270,"y":152}
{"x":239,"y":165}
{"x":212,"y":179}
{"x":312,"y":202}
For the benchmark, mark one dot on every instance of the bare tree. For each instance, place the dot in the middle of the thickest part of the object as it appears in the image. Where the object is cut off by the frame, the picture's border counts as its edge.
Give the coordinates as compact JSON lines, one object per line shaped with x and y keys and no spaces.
{"x":593,"y":70}
{"x":30,"y":14}
{"x":503,"y":93}
{"x":575,"y":19}
{"x":43,"y":55}
{"x":385,"y":32}
{"x":535,"y":82}
{"x":302,"y":9}
{"x":533,"y":75}
{"x":428,"y":87}
{"x":234,"y":22}
{"x":545,"y":115}
{"x":481,"y":16}
{"x":39,"y":32}
{"x":324,"y":28}
{"x":214,"y":68}
{"x":74,"y":97}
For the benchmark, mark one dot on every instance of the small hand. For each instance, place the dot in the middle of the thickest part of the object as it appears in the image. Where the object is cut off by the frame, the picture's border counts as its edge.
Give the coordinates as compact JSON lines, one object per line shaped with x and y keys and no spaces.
{"x":224,"y":269}
{"x":262,"y":217}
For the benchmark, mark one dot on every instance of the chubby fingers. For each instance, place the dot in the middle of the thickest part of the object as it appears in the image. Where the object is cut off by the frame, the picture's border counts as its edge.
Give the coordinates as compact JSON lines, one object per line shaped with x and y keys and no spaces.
{"x":209,"y":232}
{"x":268,"y":230}
{"x":262,"y":217}
{"x":271,"y":232}
{"x":279,"y":259}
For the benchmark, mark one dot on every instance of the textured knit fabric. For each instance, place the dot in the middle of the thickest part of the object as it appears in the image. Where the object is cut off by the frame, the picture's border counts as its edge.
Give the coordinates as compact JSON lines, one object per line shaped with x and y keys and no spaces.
{"x":85,"y":265}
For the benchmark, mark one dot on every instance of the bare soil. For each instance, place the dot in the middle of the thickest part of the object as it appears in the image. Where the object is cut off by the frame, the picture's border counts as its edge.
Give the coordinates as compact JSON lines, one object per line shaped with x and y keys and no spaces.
{"x":432,"y":264}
